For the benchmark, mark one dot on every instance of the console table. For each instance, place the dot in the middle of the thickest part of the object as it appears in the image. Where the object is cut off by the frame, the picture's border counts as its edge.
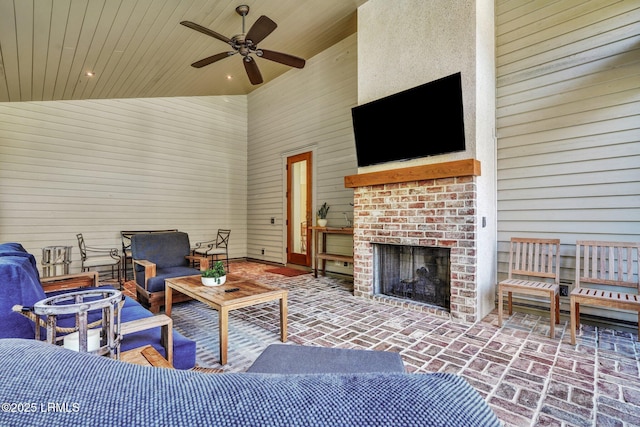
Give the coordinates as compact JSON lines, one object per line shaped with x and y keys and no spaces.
{"x":320,"y":246}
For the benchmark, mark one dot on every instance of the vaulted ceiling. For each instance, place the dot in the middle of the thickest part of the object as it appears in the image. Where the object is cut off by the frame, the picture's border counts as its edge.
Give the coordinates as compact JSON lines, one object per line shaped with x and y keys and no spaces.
{"x":138,"y":49}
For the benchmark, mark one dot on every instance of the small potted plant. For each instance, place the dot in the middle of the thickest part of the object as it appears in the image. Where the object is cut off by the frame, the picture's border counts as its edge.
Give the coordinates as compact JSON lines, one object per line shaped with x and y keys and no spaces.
{"x":322,"y":214}
{"x":214,"y":276}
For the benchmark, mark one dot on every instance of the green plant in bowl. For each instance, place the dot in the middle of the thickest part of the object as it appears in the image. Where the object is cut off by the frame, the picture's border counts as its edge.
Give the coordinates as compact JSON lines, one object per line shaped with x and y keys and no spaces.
{"x":214,"y":276}
{"x":322,"y":215}
{"x":323,"y":211}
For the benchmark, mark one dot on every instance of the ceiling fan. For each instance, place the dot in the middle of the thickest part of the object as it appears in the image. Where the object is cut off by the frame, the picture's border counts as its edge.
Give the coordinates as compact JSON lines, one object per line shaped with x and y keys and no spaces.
{"x":246,"y":44}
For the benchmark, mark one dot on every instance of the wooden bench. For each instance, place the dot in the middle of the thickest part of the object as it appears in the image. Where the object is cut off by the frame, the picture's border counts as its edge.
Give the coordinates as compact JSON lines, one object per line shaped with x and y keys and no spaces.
{"x":145,"y":356}
{"x":70,"y":281}
{"x":605,"y":267}
{"x":533,"y":258}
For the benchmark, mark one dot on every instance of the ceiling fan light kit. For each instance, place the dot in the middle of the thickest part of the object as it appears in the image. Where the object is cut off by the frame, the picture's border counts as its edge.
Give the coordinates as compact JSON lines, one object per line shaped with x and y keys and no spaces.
{"x":246,"y":44}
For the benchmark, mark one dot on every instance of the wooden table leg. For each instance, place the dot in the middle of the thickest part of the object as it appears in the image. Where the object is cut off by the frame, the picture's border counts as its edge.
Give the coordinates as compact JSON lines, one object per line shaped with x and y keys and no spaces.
{"x":575,"y":317}
{"x":166,"y":339}
{"x":224,"y":334}
{"x":315,"y":253}
{"x":283,"y":318}
{"x":552,"y":314}
{"x":500,"y":308}
{"x":168,"y":300}
{"x":324,"y":249}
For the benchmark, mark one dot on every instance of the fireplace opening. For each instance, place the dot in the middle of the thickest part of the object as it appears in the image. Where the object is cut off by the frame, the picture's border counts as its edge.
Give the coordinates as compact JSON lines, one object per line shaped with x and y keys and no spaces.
{"x":417,"y":273}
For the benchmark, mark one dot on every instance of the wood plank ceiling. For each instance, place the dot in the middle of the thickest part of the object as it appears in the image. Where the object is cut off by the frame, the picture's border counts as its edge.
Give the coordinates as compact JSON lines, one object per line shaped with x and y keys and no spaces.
{"x":137,"y":49}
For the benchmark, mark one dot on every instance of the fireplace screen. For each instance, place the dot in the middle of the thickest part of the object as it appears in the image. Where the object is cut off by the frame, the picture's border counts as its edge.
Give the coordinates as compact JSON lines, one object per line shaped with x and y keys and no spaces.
{"x":418,"y":273}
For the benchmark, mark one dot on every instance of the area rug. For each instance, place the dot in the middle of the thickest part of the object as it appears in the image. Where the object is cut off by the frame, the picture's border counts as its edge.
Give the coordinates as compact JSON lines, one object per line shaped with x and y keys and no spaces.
{"x":206,"y":370}
{"x":289,"y":272}
{"x":247,"y":337}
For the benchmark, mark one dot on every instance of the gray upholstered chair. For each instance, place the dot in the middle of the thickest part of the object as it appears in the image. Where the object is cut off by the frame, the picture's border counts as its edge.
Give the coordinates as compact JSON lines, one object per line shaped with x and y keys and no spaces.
{"x":159,"y":256}
{"x":126,"y":246}
{"x":93,"y":257}
{"x":213,"y":249}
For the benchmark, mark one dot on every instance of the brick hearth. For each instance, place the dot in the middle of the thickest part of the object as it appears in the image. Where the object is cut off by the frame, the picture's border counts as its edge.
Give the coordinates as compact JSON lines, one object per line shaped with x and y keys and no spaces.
{"x":438,"y":212}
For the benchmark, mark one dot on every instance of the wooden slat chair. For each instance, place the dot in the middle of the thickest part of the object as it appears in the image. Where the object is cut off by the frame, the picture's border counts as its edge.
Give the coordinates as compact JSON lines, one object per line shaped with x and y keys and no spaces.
{"x":605,"y":267}
{"x":528,"y":259}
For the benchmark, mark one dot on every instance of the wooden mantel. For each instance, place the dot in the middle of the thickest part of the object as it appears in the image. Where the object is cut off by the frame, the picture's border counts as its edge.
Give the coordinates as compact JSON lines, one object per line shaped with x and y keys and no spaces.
{"x":393,"y":176}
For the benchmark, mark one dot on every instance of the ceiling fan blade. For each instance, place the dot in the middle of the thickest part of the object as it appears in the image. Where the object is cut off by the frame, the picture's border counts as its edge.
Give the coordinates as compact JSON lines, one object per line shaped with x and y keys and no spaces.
{"x":206,"y":31}
{"x":283,"y":58}
{"x":261,"y":29}
{"x":212,"y":59}
{"x":252,"y":70}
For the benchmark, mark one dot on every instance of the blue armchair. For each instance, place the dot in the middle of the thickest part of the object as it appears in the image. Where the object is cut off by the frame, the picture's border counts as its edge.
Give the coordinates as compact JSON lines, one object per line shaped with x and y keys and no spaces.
{"x":160,"y":256}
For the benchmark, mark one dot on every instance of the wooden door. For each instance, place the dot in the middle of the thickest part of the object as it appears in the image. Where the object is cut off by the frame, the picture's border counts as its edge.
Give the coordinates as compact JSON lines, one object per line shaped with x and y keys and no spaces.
{"x":299,"y":180}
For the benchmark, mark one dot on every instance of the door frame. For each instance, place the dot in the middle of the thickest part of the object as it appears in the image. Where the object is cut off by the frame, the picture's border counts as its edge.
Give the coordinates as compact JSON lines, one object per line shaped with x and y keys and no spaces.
{"x":313,"y":170}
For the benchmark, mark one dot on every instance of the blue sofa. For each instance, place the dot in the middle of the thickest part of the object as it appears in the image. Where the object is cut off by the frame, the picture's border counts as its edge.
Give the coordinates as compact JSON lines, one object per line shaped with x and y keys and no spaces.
{"x":20,"y":284}
{"x":49,"y":385}
{"x":159,"y":256}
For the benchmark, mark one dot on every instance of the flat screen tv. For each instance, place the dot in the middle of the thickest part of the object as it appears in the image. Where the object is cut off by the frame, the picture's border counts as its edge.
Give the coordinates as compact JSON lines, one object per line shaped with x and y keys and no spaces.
{"x":422,"y":121}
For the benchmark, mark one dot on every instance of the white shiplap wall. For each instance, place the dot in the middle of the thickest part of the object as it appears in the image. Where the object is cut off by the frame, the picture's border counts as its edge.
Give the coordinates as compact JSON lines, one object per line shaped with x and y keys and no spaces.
{"x":100,"y":166}
{"x":303,"y":110}
{"x":568,"y":117}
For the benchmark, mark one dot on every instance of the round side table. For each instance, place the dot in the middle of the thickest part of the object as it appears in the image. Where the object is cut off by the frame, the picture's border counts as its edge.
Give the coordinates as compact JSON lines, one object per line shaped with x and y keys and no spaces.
{"x":80,"y":303}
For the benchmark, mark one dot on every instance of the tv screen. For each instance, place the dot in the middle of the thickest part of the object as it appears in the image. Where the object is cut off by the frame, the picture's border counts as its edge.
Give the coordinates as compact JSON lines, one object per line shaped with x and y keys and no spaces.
{"x":419,"y":122}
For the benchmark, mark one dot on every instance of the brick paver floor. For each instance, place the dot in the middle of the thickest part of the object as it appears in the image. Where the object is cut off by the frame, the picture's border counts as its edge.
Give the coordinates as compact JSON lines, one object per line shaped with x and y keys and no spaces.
{"x":526,"y":377}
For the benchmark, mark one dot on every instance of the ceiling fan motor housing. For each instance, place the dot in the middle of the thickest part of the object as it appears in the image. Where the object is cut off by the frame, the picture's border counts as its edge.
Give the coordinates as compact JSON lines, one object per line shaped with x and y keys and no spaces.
{"x":244,"y":46}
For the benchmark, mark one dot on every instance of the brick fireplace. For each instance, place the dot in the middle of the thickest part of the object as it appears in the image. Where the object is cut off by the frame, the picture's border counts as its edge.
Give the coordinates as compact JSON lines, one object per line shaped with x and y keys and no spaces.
{"x":432,"y":205}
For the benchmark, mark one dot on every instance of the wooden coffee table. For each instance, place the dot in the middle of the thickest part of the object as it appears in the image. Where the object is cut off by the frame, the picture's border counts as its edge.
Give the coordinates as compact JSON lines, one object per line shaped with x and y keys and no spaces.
{"x":250,"y":293}
{"x":145,"y":356}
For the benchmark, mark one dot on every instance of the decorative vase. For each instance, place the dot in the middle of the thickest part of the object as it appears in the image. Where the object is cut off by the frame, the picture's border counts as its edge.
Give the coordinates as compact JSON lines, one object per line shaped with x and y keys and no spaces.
{"x":214,"y":281}
{"x":322,"y":222}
